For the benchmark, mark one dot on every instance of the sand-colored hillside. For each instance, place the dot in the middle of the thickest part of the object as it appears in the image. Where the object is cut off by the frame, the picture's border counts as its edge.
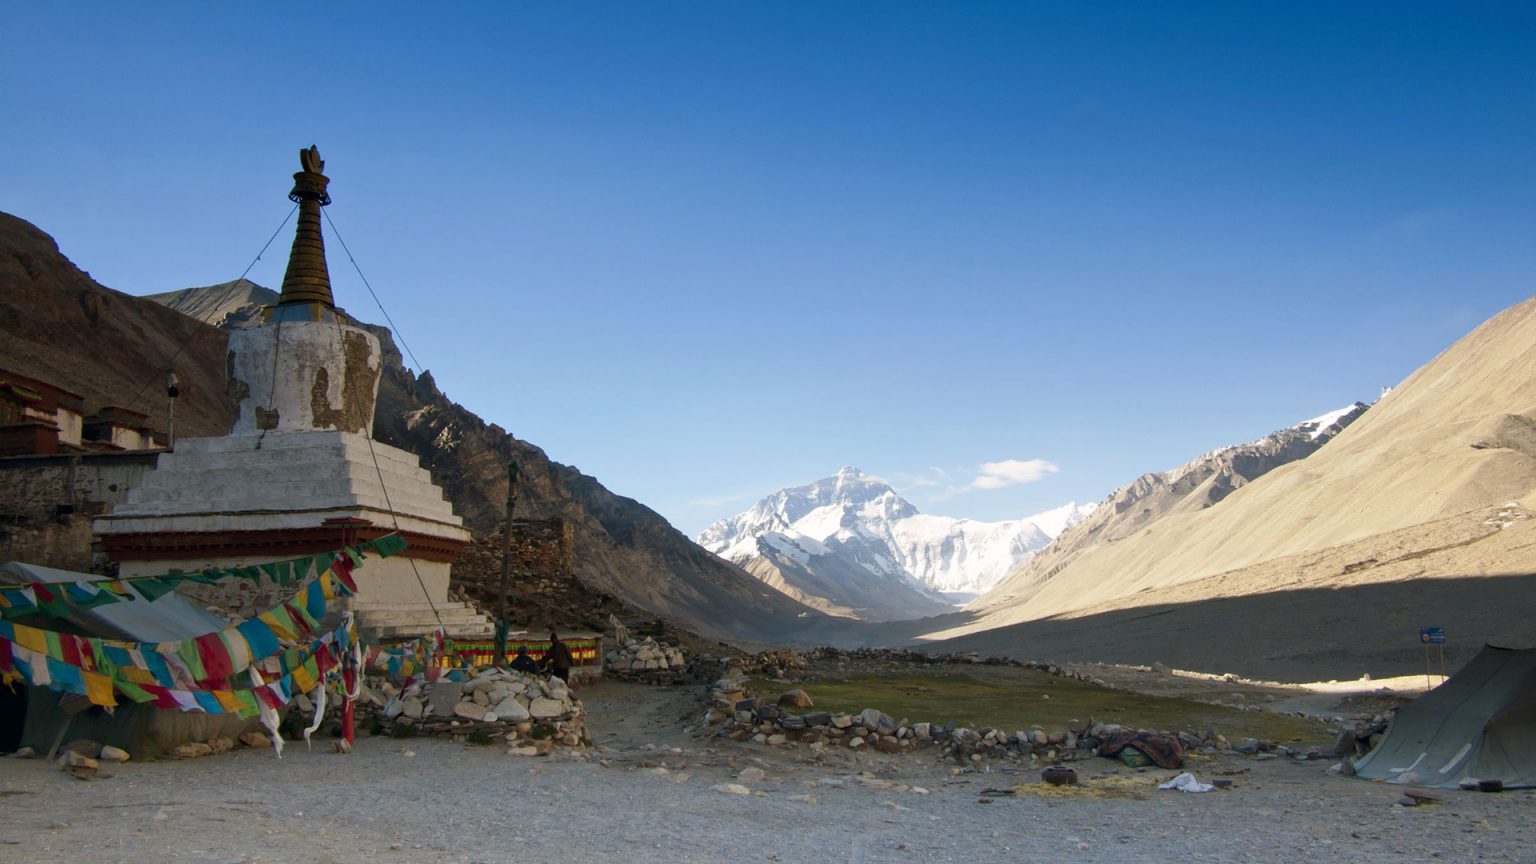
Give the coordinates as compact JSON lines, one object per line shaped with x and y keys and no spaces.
{"x":1459,"y":435}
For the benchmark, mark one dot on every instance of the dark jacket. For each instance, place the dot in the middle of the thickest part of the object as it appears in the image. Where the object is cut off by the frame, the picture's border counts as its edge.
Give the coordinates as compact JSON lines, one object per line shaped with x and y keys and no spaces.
{"x":558,"y":656}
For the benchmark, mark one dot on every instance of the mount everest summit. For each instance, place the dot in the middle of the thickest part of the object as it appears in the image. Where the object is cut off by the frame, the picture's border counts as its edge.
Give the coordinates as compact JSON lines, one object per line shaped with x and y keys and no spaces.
{"x":849,"y":545}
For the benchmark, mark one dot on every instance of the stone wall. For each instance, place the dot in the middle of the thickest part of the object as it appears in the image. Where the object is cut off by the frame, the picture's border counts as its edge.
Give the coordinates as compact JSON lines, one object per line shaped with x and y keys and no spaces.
{"x":741,"y":715}
{"x":47,"y":502}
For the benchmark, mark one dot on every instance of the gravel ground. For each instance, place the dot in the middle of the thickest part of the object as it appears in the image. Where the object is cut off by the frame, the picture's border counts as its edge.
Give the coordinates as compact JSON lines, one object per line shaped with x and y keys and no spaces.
{"x":637,"y":800}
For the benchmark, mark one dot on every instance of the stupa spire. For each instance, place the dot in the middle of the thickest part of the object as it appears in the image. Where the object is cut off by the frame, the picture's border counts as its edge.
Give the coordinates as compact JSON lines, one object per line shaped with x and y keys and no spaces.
{"x":308,"y":280}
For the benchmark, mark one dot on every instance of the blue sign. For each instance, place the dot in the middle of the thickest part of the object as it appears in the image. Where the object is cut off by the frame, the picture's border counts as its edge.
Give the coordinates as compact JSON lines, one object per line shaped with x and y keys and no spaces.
{"x":1432,"y":635}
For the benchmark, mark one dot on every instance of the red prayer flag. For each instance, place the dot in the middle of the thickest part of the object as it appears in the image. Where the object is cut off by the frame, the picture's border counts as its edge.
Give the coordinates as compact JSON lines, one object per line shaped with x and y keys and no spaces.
{"x":215,"y":656}
{"x":163,"y":697}
{"x":342,"y":568}
{"x":268,"y":697}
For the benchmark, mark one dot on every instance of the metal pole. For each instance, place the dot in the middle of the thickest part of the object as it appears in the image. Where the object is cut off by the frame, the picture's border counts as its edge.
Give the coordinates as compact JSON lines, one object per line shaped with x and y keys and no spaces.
{"x":506,"y":566}
{"x":172,"y":390}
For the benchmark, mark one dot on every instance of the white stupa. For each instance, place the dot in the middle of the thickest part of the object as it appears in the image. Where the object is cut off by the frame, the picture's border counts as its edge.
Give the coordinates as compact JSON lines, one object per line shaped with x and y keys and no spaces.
{"x":299,"y":472}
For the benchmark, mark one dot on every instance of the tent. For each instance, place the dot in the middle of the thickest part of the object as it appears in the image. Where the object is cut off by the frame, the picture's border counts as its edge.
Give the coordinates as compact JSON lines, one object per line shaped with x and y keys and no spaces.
{"x":143,"y":730}
{"x":1480,"y":724}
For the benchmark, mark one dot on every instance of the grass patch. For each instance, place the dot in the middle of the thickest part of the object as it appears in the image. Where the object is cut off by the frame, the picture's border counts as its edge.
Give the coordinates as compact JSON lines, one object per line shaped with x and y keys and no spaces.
{"x":1011,"y":699}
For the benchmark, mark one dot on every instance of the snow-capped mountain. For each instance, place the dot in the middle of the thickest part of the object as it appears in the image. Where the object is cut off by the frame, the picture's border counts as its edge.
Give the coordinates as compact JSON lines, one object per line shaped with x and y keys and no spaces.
{"x":850,"y":545}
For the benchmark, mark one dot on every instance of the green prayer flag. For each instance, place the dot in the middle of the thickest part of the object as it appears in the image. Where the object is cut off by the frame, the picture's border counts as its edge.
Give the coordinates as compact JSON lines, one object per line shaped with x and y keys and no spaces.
{"x":55,"y":608}
{"x":248,"y":704}
{"x":387,"y":545}
{"x":133,"y":691}
{"x":187,"y":651}
{"x":153,"y":589}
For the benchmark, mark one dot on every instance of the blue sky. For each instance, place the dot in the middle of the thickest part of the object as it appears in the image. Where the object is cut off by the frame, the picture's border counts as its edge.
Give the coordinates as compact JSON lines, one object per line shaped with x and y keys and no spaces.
{"x":702,"y":251}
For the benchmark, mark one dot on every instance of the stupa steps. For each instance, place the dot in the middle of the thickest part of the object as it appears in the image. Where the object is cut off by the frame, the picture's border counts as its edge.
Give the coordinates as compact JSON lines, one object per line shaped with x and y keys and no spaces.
{"x":374,"y":625}
{"x":297,"y":494}
{"x":360,"y":605}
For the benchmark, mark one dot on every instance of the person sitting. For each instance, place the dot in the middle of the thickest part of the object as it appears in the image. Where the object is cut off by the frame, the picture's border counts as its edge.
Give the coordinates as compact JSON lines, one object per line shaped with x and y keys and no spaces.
{"x":521,"y":662}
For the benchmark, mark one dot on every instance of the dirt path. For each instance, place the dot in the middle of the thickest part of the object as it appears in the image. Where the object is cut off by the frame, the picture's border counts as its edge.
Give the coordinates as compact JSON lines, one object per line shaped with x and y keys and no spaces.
{"x":623,"y":716}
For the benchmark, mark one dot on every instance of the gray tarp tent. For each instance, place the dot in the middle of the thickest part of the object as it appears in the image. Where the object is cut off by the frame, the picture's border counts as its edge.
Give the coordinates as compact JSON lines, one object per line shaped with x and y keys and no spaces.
{"x":1481,"y":724}
{"x":143,"y":730}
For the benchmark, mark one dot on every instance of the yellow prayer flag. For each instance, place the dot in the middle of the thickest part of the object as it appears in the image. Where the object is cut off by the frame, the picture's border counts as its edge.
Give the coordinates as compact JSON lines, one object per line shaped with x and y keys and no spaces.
{"x":303,"y":682}
{"x":227,"y":700}
{"x":281,"y":624}
{"x":31,"y":639}
{"x":98,"y":689}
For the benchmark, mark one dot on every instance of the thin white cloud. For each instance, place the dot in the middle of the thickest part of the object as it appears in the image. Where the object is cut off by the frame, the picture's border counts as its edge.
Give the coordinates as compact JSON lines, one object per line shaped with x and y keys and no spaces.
{"x":934,"y":476}
{"x":1012,"y":472}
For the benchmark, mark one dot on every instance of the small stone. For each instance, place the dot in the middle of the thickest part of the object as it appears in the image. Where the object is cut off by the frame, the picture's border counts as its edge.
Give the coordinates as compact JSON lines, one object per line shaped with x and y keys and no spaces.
{"x":413,"y":708}
{"x":796,"y":698}
{"x":731,"y":789}
{"x":751,"y":775}
{"x":544,"y":709}
{"x":75,"y":763}
{"x":470,"y":710}
{"x":26,"y":753}
{"x":511,"y":710}
{"x":525,"y":750}
{"x":255,"y":740}
{"x":191,"y":750}
{"x":114,"y":754}
{"x":444,"y":697}
{"x":84,"y":746}
{"x":221,"y":745}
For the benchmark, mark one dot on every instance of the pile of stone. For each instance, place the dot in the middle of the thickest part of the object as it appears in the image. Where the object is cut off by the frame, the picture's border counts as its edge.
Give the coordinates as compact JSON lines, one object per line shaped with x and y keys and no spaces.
{"x":645,"y":660}
{"x":491,"y":705}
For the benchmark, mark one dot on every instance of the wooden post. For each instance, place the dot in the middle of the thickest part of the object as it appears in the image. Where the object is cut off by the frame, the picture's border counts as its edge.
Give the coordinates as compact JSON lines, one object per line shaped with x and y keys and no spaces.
{"x":506,"y":567}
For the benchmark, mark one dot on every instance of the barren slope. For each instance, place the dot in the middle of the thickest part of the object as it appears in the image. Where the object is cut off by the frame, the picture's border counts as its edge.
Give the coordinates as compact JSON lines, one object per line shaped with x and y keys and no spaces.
{"x":1458,"y":435}
{"x":61,"y":327}
{"x":1196,"y":485}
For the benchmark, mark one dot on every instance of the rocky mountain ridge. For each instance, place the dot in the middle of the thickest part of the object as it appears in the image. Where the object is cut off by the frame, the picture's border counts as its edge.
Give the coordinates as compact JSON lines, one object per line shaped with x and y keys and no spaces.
{"x":621,"y":549}
{"x":1197,"y":484}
